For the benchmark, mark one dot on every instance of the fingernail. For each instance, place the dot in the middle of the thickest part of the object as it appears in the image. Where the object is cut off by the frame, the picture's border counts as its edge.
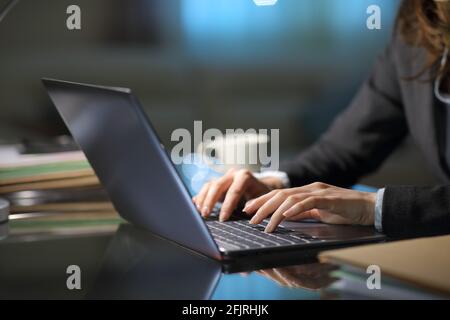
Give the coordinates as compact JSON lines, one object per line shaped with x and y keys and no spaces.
{"x":205,"y":210}
{"x":252,"y":220}
{"x":221,"y":215}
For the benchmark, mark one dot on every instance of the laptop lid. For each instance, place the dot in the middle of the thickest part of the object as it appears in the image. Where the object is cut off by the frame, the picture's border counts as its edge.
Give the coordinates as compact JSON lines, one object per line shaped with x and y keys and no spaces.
{"x":123,"y":149}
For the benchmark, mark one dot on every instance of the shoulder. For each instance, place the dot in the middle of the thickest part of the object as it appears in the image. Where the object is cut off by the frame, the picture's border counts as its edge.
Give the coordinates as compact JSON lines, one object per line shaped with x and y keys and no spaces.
{"x":409,"y":60}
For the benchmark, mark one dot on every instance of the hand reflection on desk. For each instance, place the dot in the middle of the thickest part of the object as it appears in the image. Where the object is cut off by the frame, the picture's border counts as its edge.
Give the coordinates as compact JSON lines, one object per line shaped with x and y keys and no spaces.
{"x":314,"y":276}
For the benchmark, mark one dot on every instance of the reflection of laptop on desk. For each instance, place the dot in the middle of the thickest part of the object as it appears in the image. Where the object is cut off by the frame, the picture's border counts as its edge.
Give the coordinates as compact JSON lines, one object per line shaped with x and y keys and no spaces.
{"x":145,"y":188}
{"x":139,"y":265}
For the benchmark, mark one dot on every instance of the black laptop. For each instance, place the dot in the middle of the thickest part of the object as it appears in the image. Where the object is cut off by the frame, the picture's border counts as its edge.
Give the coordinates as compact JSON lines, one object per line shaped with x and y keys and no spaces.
{"x":124,"y":150}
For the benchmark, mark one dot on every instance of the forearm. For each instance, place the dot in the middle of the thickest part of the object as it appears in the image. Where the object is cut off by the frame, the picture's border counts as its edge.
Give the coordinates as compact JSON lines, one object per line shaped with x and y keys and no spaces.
{"x":416,"y":211}
{"x":362,"y":136}
{"x":322,"y":162}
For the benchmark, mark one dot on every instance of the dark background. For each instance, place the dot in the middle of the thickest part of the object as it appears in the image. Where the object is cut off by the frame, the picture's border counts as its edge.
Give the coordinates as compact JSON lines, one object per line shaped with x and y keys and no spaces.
{"x":232,"y":64}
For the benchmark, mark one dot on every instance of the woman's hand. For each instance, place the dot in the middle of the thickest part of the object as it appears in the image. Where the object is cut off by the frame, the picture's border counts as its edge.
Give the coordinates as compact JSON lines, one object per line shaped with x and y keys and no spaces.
{"x":318,"y":201}
{"x":231,"y":188}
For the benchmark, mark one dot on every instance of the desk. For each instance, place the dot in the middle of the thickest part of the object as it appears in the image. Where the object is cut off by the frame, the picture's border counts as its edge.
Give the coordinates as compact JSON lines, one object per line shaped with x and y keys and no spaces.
{"x":121,"y":261}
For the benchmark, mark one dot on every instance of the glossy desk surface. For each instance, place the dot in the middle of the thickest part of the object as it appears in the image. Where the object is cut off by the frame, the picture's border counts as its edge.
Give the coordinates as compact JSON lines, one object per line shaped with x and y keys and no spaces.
{"x":118,"y":260}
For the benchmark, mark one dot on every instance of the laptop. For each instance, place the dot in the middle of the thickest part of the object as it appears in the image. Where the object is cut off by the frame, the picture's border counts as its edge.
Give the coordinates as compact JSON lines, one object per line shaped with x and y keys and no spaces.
{"x":144,"y":186}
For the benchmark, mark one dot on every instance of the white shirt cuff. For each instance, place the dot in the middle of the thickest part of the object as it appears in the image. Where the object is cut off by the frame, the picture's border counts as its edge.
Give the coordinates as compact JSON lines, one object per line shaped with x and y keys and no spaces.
{"x":379,"y":210}
{"x":275,"y":174}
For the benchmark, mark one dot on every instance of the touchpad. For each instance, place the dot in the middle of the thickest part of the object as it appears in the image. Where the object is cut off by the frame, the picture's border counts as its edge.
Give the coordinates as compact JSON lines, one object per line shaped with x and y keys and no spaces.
{"x":321,"y":230}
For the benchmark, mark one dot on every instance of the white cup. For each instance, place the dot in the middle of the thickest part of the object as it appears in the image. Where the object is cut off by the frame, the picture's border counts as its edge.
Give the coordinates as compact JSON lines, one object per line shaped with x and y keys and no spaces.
{"x":240,"y":151}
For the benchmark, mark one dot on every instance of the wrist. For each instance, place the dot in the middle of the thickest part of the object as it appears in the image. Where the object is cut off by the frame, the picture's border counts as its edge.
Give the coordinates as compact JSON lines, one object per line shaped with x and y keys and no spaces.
{"x":370,"y":201}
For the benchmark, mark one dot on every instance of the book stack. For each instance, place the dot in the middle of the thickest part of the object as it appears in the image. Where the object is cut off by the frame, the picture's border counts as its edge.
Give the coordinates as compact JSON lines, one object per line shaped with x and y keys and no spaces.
{"x":50,"y":182}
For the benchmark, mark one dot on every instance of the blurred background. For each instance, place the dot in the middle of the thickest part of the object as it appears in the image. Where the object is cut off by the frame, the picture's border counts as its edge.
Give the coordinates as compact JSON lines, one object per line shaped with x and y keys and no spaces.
{"x":229,"y":63}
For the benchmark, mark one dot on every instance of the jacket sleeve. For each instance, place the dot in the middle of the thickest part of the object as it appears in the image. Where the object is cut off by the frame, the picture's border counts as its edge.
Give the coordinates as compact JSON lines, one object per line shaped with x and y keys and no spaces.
{"x":416,"y":211}
{"x":362,"y":136}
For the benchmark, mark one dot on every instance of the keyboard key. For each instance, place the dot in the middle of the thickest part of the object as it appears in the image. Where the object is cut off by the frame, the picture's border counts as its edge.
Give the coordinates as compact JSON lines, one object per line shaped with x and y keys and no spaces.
{"x":235,"y":235}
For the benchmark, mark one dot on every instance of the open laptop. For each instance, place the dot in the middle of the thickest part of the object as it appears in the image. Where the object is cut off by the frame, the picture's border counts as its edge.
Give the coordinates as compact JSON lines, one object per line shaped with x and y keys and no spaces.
{"x":145,"y":188}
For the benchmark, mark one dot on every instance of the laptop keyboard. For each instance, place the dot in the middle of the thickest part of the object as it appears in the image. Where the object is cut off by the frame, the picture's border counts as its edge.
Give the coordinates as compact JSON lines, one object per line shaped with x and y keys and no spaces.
{"x":240,"y":235}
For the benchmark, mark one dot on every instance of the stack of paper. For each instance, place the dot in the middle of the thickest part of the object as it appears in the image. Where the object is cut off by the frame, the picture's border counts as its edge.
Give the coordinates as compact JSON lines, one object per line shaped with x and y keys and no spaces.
{"x":409,"y":269}
{"x":50,"y":182}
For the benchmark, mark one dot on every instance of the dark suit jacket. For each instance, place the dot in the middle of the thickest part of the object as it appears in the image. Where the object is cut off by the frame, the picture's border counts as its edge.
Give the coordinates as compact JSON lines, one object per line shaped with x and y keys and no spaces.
{"x":385,"y":110}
